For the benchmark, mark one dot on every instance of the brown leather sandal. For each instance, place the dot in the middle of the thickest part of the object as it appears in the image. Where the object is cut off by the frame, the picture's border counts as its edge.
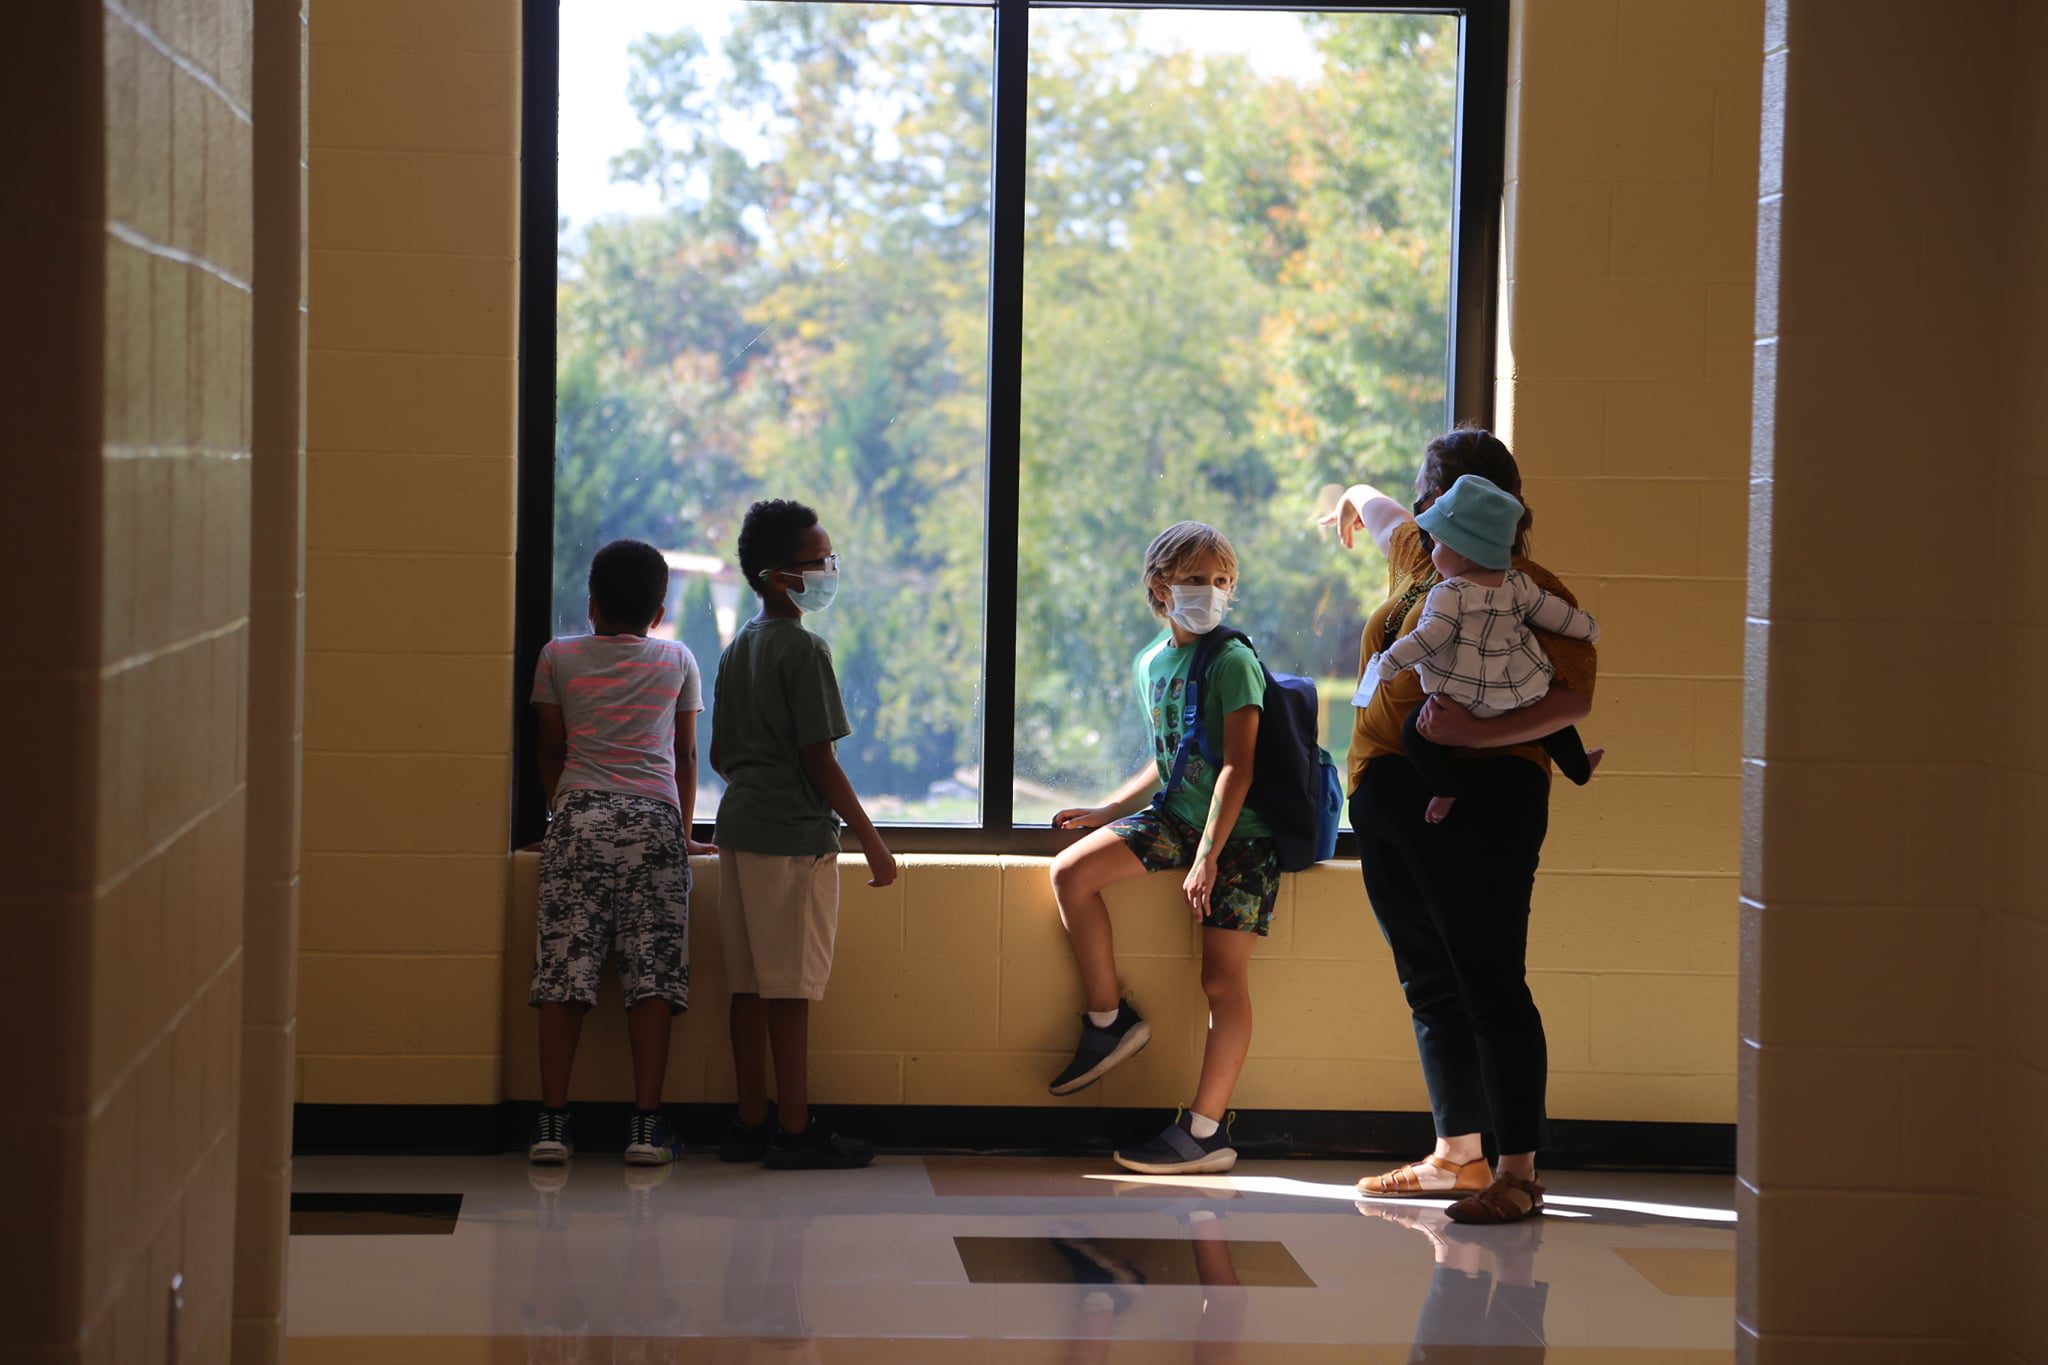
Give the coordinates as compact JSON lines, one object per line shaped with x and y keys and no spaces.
{"x":1497,"y":1204}
{"x":1406,"y":1182}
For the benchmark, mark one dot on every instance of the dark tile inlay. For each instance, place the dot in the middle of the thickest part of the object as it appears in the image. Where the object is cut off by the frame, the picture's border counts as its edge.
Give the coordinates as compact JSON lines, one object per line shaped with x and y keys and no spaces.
{"x":1129,"y":1261}
{"x":408,"y":1215}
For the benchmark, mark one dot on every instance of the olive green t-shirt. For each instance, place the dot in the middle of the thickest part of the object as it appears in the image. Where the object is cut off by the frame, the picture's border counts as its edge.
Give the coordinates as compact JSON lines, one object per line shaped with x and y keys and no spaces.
{"x":776,"y":693}
{"x":1235,"y":681}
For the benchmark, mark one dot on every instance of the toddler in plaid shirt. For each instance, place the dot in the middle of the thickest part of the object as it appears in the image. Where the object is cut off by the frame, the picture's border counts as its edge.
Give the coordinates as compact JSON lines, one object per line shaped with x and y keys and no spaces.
{"x":1474,"y":644}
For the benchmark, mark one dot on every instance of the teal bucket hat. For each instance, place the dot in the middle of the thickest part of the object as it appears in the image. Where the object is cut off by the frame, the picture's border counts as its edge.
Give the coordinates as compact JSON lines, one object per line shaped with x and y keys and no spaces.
{"x":1477,"y":518}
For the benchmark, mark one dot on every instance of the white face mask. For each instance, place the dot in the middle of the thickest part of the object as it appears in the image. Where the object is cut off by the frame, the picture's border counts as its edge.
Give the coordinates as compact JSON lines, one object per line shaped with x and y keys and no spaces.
{"x":1198,"y":610}
{"x":820,"y":587}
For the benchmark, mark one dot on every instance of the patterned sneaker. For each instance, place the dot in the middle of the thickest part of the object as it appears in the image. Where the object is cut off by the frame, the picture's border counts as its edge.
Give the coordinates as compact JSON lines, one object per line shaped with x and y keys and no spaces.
{"x":651,"y":1142}
{"x":1177,"y":1151}
{"x":747,"y":1141}
{"x":1103,"y":1048}
{"x":816,"y":1148}
{"x":552,"y":1140}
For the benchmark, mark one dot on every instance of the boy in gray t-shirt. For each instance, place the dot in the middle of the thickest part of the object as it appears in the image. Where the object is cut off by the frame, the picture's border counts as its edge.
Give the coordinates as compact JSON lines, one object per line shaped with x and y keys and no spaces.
{"x":618,"y":759}
{"x":778,"y":712}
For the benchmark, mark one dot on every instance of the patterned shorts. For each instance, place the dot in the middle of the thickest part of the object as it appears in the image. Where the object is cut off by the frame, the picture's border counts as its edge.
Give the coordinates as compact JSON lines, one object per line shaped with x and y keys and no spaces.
{"x":614,"y":878}
{"x":1247,"y":871}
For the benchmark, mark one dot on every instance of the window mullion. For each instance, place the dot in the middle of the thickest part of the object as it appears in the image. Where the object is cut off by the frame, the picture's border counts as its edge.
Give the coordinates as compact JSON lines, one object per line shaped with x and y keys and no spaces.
{"x":1005,"y":377}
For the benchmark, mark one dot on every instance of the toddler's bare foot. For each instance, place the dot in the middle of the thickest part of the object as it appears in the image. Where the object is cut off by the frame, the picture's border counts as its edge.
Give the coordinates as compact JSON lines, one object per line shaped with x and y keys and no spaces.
{"x":1439,"y":807}
{"x":1593,"y":757}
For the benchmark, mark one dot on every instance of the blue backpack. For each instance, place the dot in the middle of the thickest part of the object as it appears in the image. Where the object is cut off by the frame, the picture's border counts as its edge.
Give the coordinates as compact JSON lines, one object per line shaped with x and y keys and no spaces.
{"x":1294,"y":783}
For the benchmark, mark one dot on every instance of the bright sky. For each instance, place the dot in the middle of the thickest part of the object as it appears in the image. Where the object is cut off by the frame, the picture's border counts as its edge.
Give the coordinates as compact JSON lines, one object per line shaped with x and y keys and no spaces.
{"x":597,"y":123}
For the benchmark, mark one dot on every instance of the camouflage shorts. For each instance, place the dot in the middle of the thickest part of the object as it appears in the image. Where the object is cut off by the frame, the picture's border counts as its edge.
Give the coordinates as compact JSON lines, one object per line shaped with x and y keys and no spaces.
{"x":614,"y":878}
{"x":1247,"y":871}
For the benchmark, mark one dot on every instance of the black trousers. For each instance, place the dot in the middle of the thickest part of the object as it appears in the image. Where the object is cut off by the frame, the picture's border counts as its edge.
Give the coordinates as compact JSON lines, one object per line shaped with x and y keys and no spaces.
{"x":1453,"y":902}
{"x":1445,"y":772}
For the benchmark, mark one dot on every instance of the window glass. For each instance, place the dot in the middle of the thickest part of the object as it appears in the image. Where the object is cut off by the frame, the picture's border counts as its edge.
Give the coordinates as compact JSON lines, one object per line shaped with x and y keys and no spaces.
{"x":773,"y":282}
{"x":1237,"y":279}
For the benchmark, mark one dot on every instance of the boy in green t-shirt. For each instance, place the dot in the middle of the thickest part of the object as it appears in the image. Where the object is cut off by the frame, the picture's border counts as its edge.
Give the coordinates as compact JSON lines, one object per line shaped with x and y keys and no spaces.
{"x":775,"y":716}
{"x":1233,"y":867}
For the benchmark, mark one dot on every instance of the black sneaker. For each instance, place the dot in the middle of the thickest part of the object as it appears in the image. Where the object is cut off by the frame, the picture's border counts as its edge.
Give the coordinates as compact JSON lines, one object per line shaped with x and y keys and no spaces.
{"x":816,"y":1148}
{"x":747,"y":1141}
{"x":1177,"y":1151}
{"x":651,"y":1142}
{"x":552,"y":1139}
{"x":1103,"y":1048}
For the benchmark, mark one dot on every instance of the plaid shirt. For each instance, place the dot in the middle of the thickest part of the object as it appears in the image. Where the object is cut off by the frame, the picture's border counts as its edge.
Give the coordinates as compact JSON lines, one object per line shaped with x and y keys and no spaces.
{"x":1474,"y":645}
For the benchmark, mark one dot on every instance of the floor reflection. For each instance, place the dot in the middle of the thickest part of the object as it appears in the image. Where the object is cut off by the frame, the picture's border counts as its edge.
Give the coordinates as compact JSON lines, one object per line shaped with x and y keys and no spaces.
{"x":554,"y":1314}
{"x":1018,"y":1264}
{"x":1483,"y":1290}
{"x":1219,"y":1333}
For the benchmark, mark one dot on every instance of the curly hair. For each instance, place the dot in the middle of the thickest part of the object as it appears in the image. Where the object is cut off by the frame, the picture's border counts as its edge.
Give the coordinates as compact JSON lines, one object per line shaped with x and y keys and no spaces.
{"x":768,"y":536}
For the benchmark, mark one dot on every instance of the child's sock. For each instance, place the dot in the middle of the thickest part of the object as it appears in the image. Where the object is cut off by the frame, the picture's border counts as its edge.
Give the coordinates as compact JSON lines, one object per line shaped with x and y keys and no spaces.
{"x":563,"y":1110}
{"x":1201,"y":1125}
{"x":655,"y":1110}
{"x":1103,"y":1018}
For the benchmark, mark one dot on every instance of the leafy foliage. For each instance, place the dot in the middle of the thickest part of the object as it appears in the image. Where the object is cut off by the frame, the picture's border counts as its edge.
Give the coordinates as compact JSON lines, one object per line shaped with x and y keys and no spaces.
{"x":1236,"y":291}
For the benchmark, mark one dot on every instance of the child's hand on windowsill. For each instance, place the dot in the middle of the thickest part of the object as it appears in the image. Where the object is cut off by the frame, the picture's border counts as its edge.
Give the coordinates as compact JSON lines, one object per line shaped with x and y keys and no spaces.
{"x":1083,"y":817}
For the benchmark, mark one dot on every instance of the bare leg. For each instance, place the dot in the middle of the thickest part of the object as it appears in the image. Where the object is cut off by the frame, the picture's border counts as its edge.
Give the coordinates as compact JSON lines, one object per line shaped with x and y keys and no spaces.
{"x":1461,"y":1149}
{"x":1522,"y":1165}
{"x":749,"y":1021}
{"x":1226,"y":980}
{"x":647,"y":1034}
{"x":789,"y":1033}
{"x":561,"y":1024}
{"x":1079,"y":875}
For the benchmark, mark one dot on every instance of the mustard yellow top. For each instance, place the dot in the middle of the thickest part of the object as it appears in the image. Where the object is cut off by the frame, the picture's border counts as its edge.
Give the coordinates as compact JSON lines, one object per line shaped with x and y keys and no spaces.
{"x":1376,"y":729}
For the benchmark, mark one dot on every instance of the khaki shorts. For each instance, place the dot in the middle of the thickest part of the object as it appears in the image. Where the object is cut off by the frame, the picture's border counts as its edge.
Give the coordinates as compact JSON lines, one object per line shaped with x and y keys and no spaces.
{"x":777,"y":918}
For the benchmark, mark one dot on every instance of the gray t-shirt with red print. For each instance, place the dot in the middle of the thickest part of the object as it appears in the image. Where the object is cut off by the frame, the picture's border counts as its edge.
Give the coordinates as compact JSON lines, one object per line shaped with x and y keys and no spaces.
{"x":620,"y":695}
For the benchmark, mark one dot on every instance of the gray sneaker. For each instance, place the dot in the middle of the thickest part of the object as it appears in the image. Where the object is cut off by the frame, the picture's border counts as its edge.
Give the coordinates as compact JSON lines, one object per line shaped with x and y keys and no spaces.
{"x":1177,"y":1151}
{"x":1102,"y":1049}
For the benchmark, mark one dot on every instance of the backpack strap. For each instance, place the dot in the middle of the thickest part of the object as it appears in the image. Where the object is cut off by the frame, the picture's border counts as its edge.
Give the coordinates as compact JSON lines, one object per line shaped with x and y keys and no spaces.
{"x":1191,"y":733}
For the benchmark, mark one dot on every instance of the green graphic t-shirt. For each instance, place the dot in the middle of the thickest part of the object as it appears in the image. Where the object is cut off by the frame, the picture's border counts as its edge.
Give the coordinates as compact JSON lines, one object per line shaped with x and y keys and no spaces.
{"x":1235,"y":680}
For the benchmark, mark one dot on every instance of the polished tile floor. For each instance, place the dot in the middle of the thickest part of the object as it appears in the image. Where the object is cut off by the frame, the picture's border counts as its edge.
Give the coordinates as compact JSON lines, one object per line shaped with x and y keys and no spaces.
{"x":996,"y":1259}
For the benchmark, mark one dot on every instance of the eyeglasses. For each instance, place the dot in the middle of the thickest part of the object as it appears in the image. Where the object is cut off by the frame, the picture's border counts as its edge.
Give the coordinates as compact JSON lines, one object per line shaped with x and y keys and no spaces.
{"x":830,"y":564}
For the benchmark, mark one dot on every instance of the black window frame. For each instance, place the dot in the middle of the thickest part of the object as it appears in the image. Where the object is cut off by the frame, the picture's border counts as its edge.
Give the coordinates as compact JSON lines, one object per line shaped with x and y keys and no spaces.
{"x":1480,"y":151}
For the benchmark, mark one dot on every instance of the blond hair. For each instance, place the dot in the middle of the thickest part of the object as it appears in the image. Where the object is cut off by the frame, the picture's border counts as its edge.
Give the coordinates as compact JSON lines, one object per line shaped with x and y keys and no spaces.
{"x":1172,"y":549}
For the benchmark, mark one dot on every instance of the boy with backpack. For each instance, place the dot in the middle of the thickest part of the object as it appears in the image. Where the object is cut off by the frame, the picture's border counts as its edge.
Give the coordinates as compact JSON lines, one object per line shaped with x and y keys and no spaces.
{"x":1201,"y":821}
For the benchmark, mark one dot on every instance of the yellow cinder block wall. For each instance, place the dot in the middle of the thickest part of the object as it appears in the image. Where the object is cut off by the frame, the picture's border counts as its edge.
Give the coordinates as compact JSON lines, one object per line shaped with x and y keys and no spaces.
{"x":125,"y":320}
{"x":414,"y":219}
{"x":1895,"y":882}
{"x":1623,"y":383}
{"x":1626,"y":310}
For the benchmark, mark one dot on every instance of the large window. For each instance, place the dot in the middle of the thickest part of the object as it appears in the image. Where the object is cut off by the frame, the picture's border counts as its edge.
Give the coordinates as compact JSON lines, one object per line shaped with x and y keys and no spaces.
{"x":1001,"y":289}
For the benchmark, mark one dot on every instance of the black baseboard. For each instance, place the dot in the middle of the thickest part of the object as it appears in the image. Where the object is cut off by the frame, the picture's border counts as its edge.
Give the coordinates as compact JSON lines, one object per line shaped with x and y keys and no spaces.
{"x":479,"y":1129}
